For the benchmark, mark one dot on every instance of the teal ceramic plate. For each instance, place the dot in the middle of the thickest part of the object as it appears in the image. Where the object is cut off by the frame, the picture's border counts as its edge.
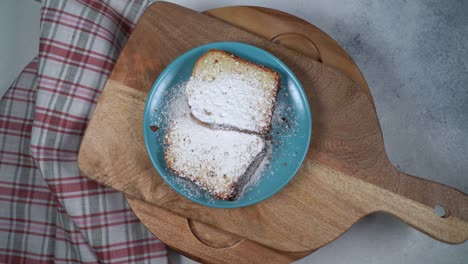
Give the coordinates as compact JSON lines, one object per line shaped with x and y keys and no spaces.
{"x":291,"y":128}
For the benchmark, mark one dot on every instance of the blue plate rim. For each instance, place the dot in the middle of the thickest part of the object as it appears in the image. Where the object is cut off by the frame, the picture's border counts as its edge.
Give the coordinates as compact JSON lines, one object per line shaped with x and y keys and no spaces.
{"x":207,"y":46}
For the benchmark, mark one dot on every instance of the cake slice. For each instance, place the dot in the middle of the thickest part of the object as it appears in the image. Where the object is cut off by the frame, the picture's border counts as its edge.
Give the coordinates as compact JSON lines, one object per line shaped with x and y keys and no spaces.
{"x":219,"y":161}
{"x":228,"y":92}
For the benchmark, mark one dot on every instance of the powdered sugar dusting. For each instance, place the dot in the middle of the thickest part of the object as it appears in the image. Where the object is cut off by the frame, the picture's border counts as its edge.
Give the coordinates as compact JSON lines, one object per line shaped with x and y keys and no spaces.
{"x":257,"y":175}
{"x":231,"y":100}
{"x":214,"y":159}
{"x":175,"y":107}
{"x":224,"y":152}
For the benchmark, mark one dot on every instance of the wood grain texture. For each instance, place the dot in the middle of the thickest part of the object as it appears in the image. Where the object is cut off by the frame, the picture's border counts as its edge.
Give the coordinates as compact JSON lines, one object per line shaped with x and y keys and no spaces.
{"x":166,"y":227}
{"x":346,"y":175}
{"x":297,"y":35}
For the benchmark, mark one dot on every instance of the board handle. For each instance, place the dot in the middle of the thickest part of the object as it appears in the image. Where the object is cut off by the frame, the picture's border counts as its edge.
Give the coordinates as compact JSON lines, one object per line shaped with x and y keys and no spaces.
{"x":440,"y":212}
{"x":445,"y":200}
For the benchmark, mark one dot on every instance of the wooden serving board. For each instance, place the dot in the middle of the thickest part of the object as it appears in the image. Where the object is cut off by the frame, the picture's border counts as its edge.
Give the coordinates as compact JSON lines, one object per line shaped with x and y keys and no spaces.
{"x":206,"y":243}
{"x":346,"y":174}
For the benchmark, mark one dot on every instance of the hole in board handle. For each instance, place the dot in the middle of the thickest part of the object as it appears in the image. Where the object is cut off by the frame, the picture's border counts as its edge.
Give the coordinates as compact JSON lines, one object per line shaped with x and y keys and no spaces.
{"x":440,"y":211}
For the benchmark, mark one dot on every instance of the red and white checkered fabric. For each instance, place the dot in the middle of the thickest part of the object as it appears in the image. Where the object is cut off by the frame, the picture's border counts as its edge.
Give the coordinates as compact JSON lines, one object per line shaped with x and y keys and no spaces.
{"x":49,"y":211}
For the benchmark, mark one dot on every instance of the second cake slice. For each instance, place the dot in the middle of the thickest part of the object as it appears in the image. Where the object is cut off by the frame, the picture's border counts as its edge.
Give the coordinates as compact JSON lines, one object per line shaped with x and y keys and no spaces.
{"x":219,"y":161}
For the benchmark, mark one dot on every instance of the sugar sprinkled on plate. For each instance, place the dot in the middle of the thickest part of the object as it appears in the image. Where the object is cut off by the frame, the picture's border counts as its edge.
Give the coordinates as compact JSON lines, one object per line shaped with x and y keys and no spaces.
{"x":175,"y":107}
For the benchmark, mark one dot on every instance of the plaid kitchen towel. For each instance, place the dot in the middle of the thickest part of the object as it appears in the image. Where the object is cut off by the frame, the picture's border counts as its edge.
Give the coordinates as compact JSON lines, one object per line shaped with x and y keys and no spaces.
{"x":49,"y":212}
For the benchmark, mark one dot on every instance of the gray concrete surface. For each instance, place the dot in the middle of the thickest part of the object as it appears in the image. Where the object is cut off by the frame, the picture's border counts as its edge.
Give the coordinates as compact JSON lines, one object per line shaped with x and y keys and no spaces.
{"x":414,"y":57}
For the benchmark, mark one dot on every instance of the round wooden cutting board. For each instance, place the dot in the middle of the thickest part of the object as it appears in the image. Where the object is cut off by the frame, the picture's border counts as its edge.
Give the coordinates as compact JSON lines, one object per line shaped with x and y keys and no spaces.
{"x":200,"y":241}
{"x":345,"y":176}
